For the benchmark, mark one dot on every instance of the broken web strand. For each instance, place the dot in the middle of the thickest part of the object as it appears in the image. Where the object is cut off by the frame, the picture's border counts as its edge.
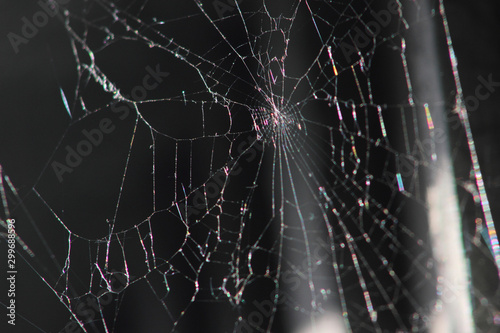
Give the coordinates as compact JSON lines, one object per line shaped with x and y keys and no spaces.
{"x":464,"y":118}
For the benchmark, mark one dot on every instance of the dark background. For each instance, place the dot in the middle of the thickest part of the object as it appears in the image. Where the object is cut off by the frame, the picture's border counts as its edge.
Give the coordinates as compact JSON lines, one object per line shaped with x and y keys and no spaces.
{"x":33,"y":120}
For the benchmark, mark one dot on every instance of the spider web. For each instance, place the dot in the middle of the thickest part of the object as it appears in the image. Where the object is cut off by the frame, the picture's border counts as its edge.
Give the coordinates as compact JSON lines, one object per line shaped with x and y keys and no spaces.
{"x":250,"y":166}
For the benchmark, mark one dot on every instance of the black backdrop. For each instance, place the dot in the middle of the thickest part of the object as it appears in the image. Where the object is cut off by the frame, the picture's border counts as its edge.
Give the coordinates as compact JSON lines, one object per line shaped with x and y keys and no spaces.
{"x":31,"y":124}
